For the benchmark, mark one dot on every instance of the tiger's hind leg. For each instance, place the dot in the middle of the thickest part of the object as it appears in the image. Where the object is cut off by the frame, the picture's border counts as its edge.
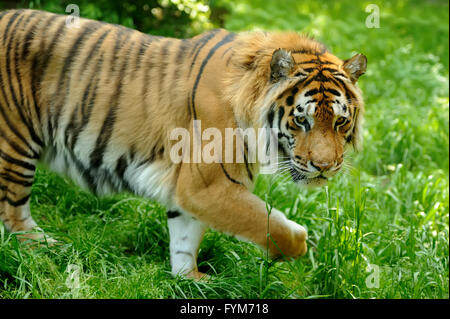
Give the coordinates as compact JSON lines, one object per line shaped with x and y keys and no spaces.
{"x":16,"y":178}
{"x":186,"y":233}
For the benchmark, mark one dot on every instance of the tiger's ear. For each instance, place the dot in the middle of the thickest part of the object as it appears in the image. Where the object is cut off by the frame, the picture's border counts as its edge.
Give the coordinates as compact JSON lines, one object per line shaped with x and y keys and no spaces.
{"x":282,"y":62}
{"x":355,"y":66}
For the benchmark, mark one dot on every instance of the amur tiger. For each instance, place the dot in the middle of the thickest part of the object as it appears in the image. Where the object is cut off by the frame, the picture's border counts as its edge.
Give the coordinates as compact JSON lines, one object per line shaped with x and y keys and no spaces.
{"x":97,"y":102}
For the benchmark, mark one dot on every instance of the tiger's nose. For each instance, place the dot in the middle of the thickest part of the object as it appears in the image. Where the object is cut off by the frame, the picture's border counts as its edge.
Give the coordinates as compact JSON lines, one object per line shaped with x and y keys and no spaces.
{"x":321,"y":167}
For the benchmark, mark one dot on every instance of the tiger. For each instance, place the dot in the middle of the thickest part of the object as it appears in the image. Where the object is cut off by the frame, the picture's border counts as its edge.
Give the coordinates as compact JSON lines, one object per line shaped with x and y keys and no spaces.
{"x":97,"y":102}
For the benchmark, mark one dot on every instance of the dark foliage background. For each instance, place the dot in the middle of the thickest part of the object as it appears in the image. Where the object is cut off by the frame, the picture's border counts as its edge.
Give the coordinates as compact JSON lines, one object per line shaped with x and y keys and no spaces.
{"x":179,"y":18}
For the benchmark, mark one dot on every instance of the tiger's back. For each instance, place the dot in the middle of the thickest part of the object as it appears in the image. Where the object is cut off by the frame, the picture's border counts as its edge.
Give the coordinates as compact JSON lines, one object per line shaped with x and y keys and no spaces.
{"x":85,"y":92}
{"x":95,"y":102}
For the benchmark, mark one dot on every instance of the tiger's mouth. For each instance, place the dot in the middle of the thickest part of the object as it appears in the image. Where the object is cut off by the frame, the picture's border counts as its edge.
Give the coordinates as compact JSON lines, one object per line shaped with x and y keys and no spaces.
{"x":301,"y":178}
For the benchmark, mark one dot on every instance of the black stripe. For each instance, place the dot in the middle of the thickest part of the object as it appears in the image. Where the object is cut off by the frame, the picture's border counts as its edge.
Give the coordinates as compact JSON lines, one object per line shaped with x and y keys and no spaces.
{"x":153,"y":153}
{"x":2,"y":88}
{"x":132,"y":152}
{"x":303,"y":51}
{"x":143,"y":46}
{"x":228,"y":175}
{"x":333,"y":91}
{"x":305,"y":82}
{"x":16,"y":132}
{"x":289,"y":127}
{"x":310,"y":101}
{"x":227,"y":50}
{"x":349,"y":95}
{"x":189,"y":107}
{"x":335,"y":72}
{"x":72,"y":124}
{"x":162,"y":65}
{"x":96,"y":157}
{"x":10,"y":22}
{"x":173,"y":214}
{"x":290,"y":100}
{"x":306,"y":126}
{"x":117,"y":47}
{"x":271,"y":115}
{"x":182,"y":48}
{"x":6,"y":189}
{"x":228,"y":38}
{"x":229,"y":58}
{"x":351,"y":136}
{"x":147,"y":69}
{"x":30,"y":36}
{"x":47,"y":54}
{"x":87,"y":106}
{"x":121,"y":166}
{"x":312,"y":92}
{"x":16,"y":57}
{"x":280,"y":116}
{"x":12,"y":160}
{"x":203,"y":37}
{"x":94,"y":49}
{"x":19,"y":106}
{"x":18,"y":173}
{"x":85,"y":173}
{"x":249,"y":173}
{"x":65,"y":76}
{"x":146,"y":88}
{"x":316,"y":61}
{"x":25,"y":24}
{"x":16,"y":69}
{"x":309,"y":70}
{"x":41,"y":60}
{"x":199,"y":46}
{"x":181,"y":51}
{"x":336,"y":82}
{"x":321,"y":47}
{"x":17,"y":148}
{"x":320,"y":77}
{"x":17,"y":203}
{"x":11,"y":179}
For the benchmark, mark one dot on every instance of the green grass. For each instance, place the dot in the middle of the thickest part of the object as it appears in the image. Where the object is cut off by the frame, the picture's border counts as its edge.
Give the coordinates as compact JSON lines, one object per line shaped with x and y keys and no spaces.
{"x":390,"y":210}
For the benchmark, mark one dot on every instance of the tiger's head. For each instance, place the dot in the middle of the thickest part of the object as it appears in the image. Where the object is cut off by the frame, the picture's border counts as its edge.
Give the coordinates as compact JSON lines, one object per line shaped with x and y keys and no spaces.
{"x":293,"y":84}
{"x":318,"y":115}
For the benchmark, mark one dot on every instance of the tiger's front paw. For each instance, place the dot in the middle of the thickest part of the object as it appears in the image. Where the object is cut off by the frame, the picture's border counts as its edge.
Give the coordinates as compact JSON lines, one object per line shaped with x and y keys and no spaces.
{"x":299,"y":237}
{"x":291,"y":243}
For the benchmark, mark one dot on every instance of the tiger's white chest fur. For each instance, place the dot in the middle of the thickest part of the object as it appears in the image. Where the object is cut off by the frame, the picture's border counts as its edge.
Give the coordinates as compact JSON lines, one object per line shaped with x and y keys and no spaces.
{"x":117,"y":173}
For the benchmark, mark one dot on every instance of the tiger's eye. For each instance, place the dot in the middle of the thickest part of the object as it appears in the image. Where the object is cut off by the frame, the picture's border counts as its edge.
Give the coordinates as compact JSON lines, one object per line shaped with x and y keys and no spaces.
{"x":300,"y":120}
{"x":340,"y":120}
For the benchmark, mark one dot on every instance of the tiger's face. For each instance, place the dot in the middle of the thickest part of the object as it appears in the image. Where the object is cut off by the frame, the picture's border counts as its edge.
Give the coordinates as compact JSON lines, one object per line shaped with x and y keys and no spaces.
{"x":318,"y":116}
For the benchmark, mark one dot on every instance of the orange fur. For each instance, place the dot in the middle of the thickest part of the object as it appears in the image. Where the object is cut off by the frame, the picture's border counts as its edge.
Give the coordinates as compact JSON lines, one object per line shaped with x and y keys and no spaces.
{"x":105,"y":99}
